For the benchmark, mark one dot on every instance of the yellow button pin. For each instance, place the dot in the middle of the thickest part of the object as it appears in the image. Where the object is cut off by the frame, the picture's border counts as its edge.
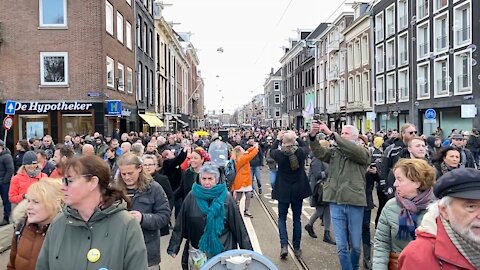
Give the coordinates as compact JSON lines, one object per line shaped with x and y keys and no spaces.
{"x":93,"y":255}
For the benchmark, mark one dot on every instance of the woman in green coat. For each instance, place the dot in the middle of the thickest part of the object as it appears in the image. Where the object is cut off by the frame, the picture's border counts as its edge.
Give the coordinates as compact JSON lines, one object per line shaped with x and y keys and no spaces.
{"x":94,"y":231}
{"x":401,"y":215}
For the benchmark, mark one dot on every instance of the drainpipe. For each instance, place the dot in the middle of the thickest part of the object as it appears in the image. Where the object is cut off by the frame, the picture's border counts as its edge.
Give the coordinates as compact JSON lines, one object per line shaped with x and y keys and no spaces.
{"x":372,"y":65}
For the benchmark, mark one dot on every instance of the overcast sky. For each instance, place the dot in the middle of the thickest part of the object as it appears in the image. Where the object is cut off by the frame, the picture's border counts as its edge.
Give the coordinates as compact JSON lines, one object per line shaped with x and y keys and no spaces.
{"x":251,"y":33}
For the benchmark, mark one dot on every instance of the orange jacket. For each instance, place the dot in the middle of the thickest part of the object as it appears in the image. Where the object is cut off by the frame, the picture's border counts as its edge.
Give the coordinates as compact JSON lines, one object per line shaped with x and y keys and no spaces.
{"x":242,"y":167}
{"x":20,"y":184}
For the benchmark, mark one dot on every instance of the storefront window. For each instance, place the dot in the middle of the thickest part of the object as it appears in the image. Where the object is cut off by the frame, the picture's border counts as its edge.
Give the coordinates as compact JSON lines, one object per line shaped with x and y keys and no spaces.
{"x":32,"y":126}
{"x":73,"y":124}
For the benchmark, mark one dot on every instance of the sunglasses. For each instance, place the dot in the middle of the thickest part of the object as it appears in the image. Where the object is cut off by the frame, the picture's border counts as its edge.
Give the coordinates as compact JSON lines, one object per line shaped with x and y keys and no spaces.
{"x":412,"y":132}
{"x":68,"y":180}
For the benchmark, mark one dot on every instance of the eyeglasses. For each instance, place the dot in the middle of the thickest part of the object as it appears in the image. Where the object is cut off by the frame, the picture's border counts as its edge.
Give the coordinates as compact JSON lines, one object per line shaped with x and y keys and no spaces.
{"x":68,"y":180}
{"x":412,"y":132}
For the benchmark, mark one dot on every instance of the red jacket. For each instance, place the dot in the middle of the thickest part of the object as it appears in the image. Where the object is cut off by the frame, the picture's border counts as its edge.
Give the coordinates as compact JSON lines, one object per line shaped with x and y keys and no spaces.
{"x":57,"y":173}
{"x":433,"y":252}
{"x":20,"y":184}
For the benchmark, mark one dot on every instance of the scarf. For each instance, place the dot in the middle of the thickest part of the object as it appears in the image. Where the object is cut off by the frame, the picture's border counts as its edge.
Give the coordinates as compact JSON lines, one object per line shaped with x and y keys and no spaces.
{"x":466,"y":247}
{"x":211,"y":203}
{"x":407,"y":220}
{"x":445,"y":168}
{"x":290,"y":150}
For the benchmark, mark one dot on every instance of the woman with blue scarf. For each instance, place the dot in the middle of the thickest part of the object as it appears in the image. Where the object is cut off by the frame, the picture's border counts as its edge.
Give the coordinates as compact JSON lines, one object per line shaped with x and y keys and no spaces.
{"x":414,"y":179}
{"x":209,"y":219}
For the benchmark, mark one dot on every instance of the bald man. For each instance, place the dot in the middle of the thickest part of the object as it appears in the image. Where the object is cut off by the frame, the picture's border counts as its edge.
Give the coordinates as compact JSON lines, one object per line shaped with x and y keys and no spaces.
{"x":125,"y":146}
{"x":88,"y":150}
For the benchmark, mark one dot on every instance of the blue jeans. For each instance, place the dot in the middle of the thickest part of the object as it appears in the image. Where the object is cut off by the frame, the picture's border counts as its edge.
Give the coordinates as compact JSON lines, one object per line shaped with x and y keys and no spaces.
{"x":255,"y":171}
{"x":7,"y":207}
{"x":297,"y":223}
{"x":347,"y":223}
{"x":272,"y":174}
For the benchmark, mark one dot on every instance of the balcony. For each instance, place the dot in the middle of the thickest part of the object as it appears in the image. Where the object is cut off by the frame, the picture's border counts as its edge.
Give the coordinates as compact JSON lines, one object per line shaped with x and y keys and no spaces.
{"x":333,"y":46}
{"x":423,"y":49}
{"x":403,"y":58}
{"x":464,"y":82}
{"x":355,"y":105}
{"x":463,"y":35}
{"x":442,"y":87}
{"x":403,"y":93}
{"x":333,"y":75}
{"x":441,"y":43}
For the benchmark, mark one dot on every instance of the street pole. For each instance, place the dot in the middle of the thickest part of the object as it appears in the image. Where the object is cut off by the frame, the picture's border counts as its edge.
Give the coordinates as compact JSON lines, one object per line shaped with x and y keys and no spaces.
{"x":5,"y":136}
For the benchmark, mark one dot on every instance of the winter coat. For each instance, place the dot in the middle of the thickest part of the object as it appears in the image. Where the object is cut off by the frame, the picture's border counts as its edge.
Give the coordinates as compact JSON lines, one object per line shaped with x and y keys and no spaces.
{"x":272,"y":165}
{"x":20,"y":184}
{"x":243,"y":177}
{"x":257,"y":161}
{"x":24,"y":252}
{"x":171,"y":168}
{"x":49,"y":150}
{"x":432,"y":249}
{"x":385,"y":235}
{"x":348,"y":163}
{"x":101,"y":149}
{"x":318,"y":172}
{"x":18,"y":161}
{"x":390,"y":157}
{"x":473,"y":143}
{"x":290,"y":185}
{"x":163,"y":181}
{"x":191,"y":222}
{"x":189,"y":177}
{"x":153,"y":204}
{"x":113,"y":231}
{"x":7,"y":169}
{"x":48,"y":168}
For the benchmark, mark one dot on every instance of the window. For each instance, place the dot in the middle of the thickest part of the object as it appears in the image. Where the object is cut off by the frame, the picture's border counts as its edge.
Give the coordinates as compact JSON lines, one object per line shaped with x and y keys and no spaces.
{"x":402,"y":14}
{"x":422,"y":9}
{"x":149,"y":3}
{"x":150,"y":43}
{"x":441,"y":33}
{"x":109,"y":17}
{"x":129,"y":2}
{"x":379,"y":92}
{"x":110,"y":72}
{"x":128,"y":35}
{"x":403,"y":89}
{"x":379,"y":35}
{"x":462,"y":23}
{"x":331,"y":94}
{"x":350,"y":57}
{"x":342,"y":89}
{"x":391,"y":89}
{"x":121,"y":78}
{"x":119,"y":27}
{"x":390,"y":20}
{"x":351,"y":90}
{"x":403,"y":49}
{"x":463,"y":72}
{"x":441,"y":78}
{"x":277,"y":112}
{"x":423,"y":41}
{"x":53,"y":13}
{"x":54,"y":68}
{"x":139,"y":33}
{"x":356,"y":54}
{"x":151,"y":87}
{"x":439,"y":4}
{"x":391,"y":54}
{"x":139,"y":82}
{"x":366,"y":87}
{"x":129,"y":80}
{"x":145,"y":83}
{"x":277,"y":99}
{"x":144,"y":37}
{"x":365,"y":56}
{"x":358,"y":88}
{"x":379,"y":66}
{"x":276,"y":86}
{"x":423,"y":80}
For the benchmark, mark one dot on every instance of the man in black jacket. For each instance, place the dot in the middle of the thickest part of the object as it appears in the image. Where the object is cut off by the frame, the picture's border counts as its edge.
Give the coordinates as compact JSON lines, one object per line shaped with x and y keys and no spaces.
{"x":171,"y":168}
{"x":6,"y":173}
{"x":466,"y":157}
{"x":256,"y":165}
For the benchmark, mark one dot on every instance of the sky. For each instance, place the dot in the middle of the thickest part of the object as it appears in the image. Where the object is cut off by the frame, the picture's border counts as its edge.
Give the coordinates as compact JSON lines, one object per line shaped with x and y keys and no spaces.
{"x":251,"y":34}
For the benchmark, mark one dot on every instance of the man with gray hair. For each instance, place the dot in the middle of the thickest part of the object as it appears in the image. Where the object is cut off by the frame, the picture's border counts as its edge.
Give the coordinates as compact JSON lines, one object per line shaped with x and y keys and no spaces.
{"x":344,"y":188}
{"x":449,"y":236}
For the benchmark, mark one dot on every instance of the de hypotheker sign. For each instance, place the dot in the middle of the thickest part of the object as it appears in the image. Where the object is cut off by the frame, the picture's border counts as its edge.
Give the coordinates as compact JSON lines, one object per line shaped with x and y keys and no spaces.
{"x":46,"y":107}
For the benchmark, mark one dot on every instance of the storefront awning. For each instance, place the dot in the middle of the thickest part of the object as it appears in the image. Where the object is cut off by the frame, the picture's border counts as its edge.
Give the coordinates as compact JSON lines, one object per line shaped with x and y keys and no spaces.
{"x":152,"y":120}
{"x":180,"y":121}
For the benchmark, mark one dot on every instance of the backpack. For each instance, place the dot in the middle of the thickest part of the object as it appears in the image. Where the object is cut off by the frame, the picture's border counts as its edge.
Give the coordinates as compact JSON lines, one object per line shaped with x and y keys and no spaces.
{"x":230,"y":173}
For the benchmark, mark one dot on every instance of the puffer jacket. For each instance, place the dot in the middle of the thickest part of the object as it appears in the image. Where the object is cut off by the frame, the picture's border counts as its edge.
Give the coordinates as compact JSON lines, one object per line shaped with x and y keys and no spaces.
{"x":20,"y":184}
{"x":7,"y":169}
{"x":191,"y":222}
{"x":432,"y":249}
{"x":113,"y":231}
{"x":385,"y":235}
{"x":348,"y":163}
{"x":153,"y":204}
{"x":243,"y":177}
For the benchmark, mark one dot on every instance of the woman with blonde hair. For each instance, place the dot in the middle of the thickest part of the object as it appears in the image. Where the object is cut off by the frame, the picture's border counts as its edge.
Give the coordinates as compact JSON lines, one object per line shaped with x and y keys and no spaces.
{"x":44,"y":200}
{"x":149,"y":203}
{"x":414,"y":179}
{"x":243,"y":178}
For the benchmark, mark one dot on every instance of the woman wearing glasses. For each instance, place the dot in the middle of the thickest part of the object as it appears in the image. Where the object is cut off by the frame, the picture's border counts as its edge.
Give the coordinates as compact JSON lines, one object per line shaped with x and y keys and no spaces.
{"x":149,"y":203}
{"x":43,"y":202}
{"x":209,"y":219}
{"x":94,"y":230}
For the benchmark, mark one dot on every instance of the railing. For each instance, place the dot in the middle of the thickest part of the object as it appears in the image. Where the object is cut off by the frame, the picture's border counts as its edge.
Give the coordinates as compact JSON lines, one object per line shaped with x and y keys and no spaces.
{"x":391,"y":62}
{"x":423,"y":49}
{"x":441,"y":43}
{"x":390,"y":29}
{"x":422,"y":11}
{"x":423,"y":90}
{"x":391,"y":95}
{"x":442,"y":87}
{"x":333,"y":75}
{"x":379,"y":34}
{"x":403,"y":22}
{"x":380,"y":66}
{"x":403,"y":93}
{"x":403,"y":58}
{"x":464,"y":82}
{"x":463,"y":35}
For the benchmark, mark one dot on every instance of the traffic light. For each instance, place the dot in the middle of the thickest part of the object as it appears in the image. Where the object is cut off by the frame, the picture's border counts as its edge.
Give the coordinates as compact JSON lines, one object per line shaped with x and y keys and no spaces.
{"x":222,"y":110}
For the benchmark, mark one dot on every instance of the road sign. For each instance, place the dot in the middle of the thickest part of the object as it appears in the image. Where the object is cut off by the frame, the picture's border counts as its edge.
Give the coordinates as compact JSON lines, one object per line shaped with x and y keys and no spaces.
{"x":10,"y":107}
{"x":430,"y":114}
{"x":114,"y":107}
{"x":7,"y":122}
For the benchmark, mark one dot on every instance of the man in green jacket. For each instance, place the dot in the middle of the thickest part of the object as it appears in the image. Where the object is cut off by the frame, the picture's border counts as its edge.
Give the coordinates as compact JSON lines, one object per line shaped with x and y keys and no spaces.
{"x":344,"y":188}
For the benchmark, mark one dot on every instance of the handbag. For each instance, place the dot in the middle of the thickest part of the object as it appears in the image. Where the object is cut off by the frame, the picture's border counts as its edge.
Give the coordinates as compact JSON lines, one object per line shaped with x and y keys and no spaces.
{"x":196,"y":258}
{"x":317,"y":193}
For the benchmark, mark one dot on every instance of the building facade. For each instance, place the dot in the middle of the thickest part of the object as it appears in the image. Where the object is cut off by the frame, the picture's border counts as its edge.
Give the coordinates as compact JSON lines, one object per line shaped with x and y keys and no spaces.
{"x":76,"y":57}
{"x":274,"y":95}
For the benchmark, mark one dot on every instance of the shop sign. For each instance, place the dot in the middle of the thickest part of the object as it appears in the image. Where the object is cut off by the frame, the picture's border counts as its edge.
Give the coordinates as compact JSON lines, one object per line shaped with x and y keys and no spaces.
{"x":46,"y":107}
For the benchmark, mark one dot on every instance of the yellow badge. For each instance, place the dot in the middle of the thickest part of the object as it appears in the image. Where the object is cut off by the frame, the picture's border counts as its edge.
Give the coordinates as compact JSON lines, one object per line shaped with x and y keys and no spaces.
{"x":93,"y":255}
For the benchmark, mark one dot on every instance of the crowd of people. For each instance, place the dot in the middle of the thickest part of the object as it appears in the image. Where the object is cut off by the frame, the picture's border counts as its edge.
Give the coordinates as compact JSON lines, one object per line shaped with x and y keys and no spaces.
{"x":105,"y":201}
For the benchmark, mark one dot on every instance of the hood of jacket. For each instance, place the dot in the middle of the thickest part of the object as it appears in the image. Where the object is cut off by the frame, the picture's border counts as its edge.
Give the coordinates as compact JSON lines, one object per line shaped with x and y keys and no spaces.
{"x":428,"y":224}
{"x":98,"y":213}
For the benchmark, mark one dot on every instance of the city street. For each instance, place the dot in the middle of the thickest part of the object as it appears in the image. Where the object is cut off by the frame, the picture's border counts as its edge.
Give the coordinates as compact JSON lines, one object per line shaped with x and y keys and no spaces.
{"x":263,"y":233}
